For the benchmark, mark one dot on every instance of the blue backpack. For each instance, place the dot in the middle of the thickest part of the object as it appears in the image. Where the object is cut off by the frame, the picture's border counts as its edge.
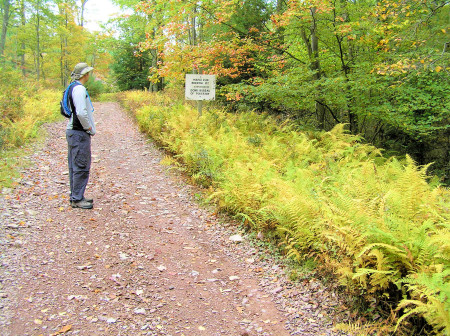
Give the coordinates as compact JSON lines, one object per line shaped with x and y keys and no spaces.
{"x":66,"y":104}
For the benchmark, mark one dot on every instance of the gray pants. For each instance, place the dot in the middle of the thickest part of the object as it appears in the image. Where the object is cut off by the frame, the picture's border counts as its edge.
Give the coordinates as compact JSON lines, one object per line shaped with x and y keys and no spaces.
{"x":79,"y":158}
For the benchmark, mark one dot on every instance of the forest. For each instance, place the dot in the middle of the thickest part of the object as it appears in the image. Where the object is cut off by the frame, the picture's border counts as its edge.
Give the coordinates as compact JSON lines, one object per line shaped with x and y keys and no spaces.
{"x":379,"y":67}
{"x":331,"y":81}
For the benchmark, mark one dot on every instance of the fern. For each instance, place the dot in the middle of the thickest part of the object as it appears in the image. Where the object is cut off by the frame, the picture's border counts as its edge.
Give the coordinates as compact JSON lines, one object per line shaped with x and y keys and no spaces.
{"x":375,"y":222}
{"x":431,"y":299}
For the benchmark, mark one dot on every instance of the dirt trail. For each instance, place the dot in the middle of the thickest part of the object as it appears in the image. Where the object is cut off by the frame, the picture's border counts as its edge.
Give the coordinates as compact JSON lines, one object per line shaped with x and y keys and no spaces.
{"x":147,"y":260}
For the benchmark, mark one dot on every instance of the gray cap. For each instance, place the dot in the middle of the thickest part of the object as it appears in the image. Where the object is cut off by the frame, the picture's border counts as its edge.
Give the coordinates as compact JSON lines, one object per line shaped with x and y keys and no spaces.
{"x":80,"y":70}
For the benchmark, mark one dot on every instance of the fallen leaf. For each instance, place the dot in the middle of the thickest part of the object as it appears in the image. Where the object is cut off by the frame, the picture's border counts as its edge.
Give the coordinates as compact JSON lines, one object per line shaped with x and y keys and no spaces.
{"x":201,"y":328}
{"x":38,"y":321}
{"x":123,"y":256}
{"x":65,"y":329}
{"x":236,"y":238}
{"x":139,"y":311}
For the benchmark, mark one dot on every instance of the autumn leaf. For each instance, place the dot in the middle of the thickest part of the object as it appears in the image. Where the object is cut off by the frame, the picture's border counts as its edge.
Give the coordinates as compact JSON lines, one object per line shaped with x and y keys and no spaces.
{"x":63,"y":330}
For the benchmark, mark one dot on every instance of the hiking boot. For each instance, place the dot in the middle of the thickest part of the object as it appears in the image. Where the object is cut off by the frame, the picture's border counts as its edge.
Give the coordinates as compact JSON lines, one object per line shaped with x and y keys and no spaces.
{"x":89,"y":200}
{"x":83,"y":204}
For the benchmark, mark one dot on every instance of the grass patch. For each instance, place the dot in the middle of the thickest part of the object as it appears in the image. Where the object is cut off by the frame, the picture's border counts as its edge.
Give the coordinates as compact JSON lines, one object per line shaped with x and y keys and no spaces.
{"x":11,"y":162}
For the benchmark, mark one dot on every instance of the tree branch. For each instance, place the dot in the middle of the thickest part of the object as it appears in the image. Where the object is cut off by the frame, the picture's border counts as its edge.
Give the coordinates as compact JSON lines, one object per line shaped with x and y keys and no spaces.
{"x":331,"y":112}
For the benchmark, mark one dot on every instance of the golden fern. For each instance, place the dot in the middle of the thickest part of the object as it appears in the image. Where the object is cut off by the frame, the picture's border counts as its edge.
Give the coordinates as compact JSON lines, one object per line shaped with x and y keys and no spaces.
{"x":373,"y":221}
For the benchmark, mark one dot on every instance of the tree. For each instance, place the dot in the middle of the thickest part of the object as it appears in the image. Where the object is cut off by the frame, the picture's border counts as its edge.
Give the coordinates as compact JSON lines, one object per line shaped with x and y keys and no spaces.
{"x":83,"y":4}
{"x":132,"y":62}
{"x":5,"y":5}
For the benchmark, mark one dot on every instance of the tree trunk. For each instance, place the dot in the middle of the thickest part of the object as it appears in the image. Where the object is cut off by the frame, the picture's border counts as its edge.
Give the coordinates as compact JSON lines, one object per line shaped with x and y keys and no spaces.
{"x":352,"y":118}
{"x":154,"y":53}
{"x":5,"y":7}
{"x":194,"y":31}
{"x":312,"y":46}
{"x":83,"y":4}
{"x":64,"y":11}
{"x":38,"y":47}
{"x":22,"y":45}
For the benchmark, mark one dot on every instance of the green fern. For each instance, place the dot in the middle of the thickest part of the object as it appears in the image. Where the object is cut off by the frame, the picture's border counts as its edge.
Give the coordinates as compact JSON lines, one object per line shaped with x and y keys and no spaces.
{"x":430,"y":298}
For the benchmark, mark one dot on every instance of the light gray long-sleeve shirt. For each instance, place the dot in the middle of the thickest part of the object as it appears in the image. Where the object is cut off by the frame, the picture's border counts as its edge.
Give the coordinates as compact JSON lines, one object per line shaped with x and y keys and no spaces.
{"x":84,"y":108}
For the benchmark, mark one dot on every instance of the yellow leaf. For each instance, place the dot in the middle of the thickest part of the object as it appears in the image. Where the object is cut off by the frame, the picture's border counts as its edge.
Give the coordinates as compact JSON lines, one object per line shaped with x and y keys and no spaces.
{"x":444,"y":31}
{"x":438,"y":68}
{"x":159,"y":327}
{"x":37,"y":321}
{"x":201,"y":328}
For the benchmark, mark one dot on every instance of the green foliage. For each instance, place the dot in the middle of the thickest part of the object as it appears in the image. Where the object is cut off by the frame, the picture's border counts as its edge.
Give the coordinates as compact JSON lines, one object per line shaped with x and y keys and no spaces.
{"x":430,"y":298}
{"x":11,"y":93}
{"x":374,"y":222}
{"x":95,"y":88}
{"x":131,"y":67}
{"x":107,"y":97}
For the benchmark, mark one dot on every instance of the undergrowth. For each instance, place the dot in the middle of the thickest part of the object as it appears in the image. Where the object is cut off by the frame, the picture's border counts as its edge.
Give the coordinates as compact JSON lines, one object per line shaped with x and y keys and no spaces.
{"x":378,"y":224}
{"x":19,"y":124}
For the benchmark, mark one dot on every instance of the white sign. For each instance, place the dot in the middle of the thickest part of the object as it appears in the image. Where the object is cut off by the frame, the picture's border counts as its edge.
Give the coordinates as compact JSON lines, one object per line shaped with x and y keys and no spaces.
{"x":200,"y":87}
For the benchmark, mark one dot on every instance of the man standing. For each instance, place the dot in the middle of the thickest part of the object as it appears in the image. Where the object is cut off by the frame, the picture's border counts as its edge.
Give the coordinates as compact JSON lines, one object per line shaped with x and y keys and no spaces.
{"x":79,"y":131}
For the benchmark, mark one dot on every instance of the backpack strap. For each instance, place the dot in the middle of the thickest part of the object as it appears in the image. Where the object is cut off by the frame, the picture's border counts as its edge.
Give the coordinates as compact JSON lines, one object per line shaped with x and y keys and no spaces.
{"x":76,"y":125}
{"x":72,"y":105}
